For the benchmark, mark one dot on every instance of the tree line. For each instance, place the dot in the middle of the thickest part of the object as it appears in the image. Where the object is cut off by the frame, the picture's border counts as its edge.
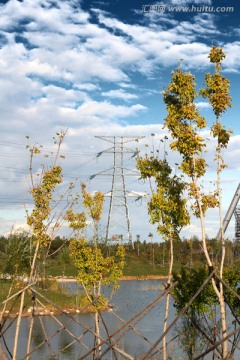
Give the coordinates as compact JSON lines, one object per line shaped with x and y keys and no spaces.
{"x":187,"y":252}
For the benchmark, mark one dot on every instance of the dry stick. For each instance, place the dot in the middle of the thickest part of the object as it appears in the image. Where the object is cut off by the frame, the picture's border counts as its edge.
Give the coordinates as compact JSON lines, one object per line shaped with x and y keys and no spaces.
{"x":179,"y":315}
{"x":5,"y":344}
{"x":74,"y":341}
{"x":202,"y":332}
{"x":199,"y":328}
{"x":45,"y":334}
{"x":236,"y":340}
{"x":67,"y":315}
{"x":107,"y":332}
{"x":18,"y":326}
{"x":147,"y":309}
{"x":34,"y":261}
{"x":68,"y":331}
{"x":43,"y":342}
{"x":10,"y":322}
{"x":30,"y":337}
{"x":7,"y":317}
{"x":217,"y":344}
{"x":228,"y":287}
{"x":114,"y":346}
{"x":31,"y":326}
{"x":16,"y":294}
{"x":4,"y":307}
{"x":169,"y":342}
{"x":132,"y":328}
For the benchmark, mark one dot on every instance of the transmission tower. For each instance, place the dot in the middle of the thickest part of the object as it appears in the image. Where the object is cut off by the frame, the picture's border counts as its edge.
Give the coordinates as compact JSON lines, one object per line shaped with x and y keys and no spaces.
{"x":118,"y":223}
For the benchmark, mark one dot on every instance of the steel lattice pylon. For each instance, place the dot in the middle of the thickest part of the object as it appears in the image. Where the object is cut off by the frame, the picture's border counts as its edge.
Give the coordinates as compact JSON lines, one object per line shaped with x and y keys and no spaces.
{"x":118,"y":223}
{"x":237,"y":223}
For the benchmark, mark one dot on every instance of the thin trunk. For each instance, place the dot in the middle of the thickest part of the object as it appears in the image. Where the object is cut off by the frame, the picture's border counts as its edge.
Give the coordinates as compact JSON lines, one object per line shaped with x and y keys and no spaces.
{"x":18,"y":327}
{"x":167,"y":298}
{"x":97,"y":352}
{"x":218,"y":293}
{"x":221,"y":292}
{"x":30,"y":337}
{"x":34,"y":261}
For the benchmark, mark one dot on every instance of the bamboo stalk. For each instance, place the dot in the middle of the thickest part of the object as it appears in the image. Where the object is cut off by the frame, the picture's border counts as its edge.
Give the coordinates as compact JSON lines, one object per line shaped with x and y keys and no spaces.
{"x":18,"y":327}
{"x":68,"y":331}
{"x":132,"y":328}
{"x":45,"y":335}
{"x":217,"y":344}
{"x":147,"y":308}
{"x":16,"y":294}
{"x":148,"y":354}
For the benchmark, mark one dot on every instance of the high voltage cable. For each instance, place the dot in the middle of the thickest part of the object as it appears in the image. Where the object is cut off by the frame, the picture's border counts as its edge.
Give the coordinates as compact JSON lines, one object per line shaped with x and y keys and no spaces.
{"x":19,"y":145}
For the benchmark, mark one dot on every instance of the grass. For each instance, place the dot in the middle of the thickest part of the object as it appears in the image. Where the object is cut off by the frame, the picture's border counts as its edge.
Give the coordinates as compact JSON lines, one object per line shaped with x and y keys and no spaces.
{"x":135,"y":266}
{"x":54,"y":293}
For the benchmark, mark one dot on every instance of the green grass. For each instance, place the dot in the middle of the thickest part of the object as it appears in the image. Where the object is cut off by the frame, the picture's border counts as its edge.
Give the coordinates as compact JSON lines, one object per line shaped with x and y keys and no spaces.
{"x":135,"y":266}
{"x":54,"y":293}
{"x":57,"y":268}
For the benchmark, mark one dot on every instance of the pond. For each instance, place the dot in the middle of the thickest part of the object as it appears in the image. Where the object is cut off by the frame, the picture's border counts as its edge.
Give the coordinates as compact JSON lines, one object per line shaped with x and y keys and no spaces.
{"x":131,"y":298}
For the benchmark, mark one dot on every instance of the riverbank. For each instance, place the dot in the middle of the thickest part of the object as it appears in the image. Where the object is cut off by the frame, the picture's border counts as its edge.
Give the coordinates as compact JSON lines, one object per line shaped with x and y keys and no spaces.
{"x":58,"y":295}
{"x":124,"y":278}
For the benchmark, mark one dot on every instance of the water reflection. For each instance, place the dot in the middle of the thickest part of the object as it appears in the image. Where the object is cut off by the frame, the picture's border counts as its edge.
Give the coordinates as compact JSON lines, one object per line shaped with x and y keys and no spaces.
{"x":128,"y":301}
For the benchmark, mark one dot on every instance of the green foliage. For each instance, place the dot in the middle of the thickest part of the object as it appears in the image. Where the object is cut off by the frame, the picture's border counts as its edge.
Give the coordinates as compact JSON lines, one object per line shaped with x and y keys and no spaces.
{"x":167,"y":207}
{"x":42,"y":193}
{"x":93,"y":268}
{"x":190,"y":280}
{"x":16,"y":257}
{"x":184,"y":122}
{"x":93,"y":204}
{"x":42,"y":196}
{"x":76,"y":221}
{"x":232,"y":278}
{"x":217,"y":86}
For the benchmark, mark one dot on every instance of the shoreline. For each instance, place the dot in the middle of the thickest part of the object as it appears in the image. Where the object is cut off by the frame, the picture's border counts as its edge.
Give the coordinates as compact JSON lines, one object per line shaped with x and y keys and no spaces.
{"x":124,"y":278}
{"x":51,"y":311}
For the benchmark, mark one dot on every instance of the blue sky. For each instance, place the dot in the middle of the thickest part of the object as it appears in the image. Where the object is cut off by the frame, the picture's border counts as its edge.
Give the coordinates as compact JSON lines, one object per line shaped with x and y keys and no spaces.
{"x":98,"y":68}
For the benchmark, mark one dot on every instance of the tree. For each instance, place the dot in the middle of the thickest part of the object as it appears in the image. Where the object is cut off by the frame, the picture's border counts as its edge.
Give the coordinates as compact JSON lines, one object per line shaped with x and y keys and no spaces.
{"x":16,"y":243}
{"x":45,"y":220}
{"x":166,"y":207}
{"x":94,"y":269}
{"x":185,"y":125}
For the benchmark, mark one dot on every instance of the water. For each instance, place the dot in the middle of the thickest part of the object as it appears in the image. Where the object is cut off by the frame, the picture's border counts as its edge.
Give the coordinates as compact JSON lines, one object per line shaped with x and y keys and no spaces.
{"x":128,"y":301}
{"x":130,"y":298}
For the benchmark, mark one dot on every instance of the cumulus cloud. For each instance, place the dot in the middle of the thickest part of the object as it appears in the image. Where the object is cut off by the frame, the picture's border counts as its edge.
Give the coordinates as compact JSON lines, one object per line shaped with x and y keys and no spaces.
{"x":203,"y":105}
{"x":119,"y":94}
{"x":57,"y":62}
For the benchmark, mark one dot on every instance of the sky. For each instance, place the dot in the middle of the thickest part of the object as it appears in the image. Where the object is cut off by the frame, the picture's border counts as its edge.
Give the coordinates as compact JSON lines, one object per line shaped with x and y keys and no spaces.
{"x":98,"y":68}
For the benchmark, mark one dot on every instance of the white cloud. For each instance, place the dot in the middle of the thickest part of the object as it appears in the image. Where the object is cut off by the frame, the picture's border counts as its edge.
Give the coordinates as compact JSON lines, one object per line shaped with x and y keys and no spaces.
{"x":119,"y":94}
{"x":203,"y":105}
{"x":86,"y":86}
{"x":66,"y":60}
{"x":187,"y":2}
{"x":232,"y":51}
